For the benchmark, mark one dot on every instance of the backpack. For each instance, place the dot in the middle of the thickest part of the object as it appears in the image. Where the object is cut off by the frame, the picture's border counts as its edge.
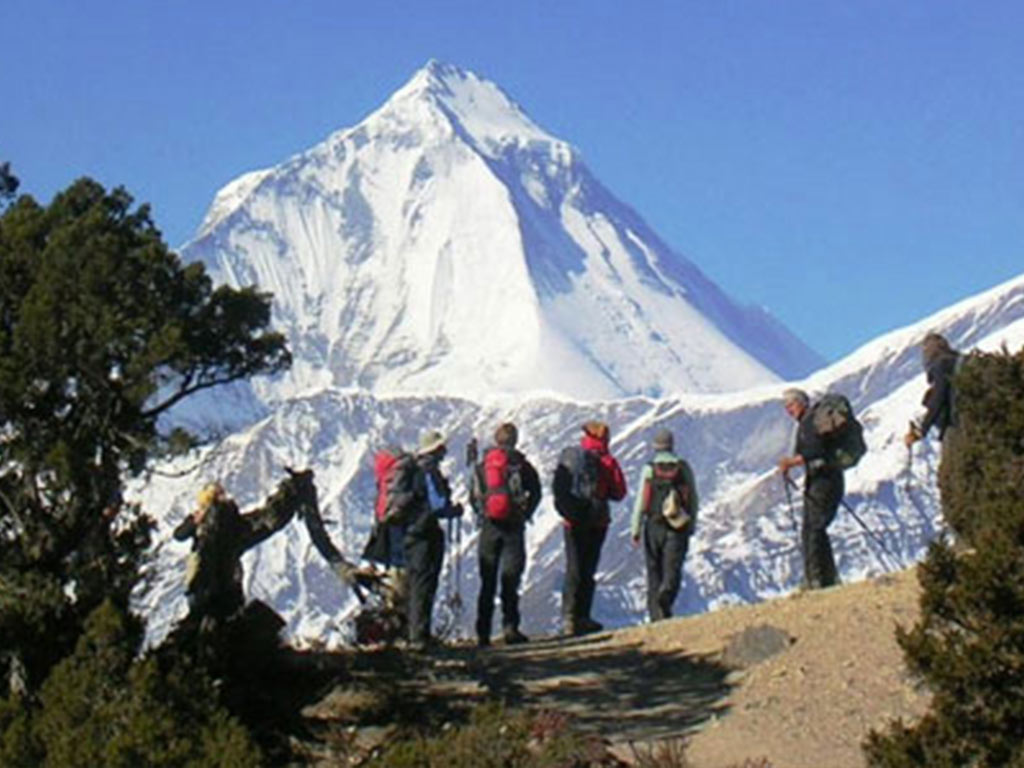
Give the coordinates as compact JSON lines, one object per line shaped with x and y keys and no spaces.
{"x":667,"y":494}
{"x":504,"y":493}
{"x":833,"y":419}
{"x":580,"y":497}
{"x":394,"y":471}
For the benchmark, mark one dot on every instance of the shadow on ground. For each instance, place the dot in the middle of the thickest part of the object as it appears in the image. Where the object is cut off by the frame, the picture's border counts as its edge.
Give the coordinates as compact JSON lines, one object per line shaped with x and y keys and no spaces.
{"x":620,"y":691}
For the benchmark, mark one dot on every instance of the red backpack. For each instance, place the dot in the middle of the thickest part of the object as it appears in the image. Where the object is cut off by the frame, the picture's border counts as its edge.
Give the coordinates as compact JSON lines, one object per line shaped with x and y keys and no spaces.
{"x":394,"y":471}
{"x":504,"y":493}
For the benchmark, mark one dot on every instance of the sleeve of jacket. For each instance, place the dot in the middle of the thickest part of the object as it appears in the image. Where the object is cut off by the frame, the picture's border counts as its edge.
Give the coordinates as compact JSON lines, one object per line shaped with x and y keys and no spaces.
{"x":531,"y":481}
{"x":636,"y":520}
{"x":186,"y":529}
{"x":937,"y":396}
{"x":694,"y":500}
{"x":616,"y":480}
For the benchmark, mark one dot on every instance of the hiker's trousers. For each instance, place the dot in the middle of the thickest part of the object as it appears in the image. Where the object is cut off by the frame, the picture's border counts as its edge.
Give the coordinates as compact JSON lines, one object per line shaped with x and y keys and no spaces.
{"x":424,"y":553}
{"x":822,"y":495}
{"x":500,"y":546}
{"x":664,"y":551}
{"x":582,"y":553}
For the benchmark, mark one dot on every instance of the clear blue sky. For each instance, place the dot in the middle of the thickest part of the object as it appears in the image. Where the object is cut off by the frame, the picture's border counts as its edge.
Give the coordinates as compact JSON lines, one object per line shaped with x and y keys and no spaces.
{"x":851,"y":165}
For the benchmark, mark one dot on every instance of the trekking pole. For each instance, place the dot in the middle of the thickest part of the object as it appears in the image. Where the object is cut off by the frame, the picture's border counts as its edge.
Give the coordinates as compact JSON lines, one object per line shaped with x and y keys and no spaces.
{"x":874,"y":537}
{"x":789,"y":501}
{"x":910,"y":463}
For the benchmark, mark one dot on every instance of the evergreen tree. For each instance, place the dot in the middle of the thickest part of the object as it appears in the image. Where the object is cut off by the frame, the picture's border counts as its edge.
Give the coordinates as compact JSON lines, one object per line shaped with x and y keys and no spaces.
{"x":968,"y":646}
{"x":102,"y":331}
{"x":8,"y":184}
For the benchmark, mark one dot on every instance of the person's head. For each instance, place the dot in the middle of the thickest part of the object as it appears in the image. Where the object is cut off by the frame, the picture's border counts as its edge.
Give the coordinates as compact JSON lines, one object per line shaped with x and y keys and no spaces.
{"x":796,"y":402}
{"x":432,"y":443}
{"x":663,"y":440}
{"x":506,"y":435}
{"x":597,"y":430}
{"x":934,"y":346}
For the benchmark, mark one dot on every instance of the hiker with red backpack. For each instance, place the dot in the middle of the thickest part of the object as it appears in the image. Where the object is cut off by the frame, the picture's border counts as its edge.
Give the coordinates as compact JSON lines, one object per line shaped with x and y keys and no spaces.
{"x":505,"y":491}
{"x":586,"y":479}
{"x":424,"y":538}
{"x":664,"y":518}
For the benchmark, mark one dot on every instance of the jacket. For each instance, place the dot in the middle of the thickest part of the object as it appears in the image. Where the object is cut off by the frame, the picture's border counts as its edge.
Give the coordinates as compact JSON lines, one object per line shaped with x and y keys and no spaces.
{"x":661,"y":457}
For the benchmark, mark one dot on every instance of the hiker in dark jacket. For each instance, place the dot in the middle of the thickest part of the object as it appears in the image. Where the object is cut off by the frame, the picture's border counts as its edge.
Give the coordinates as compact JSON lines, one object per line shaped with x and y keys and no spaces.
{"x":505,"y":493}
{"x":585,"y":522}
{"x":220,"y":536}
{"x":940,"y":364}
{"x":823,"y":491}
{"x":664,"y":529}
{"x":424,"y":539}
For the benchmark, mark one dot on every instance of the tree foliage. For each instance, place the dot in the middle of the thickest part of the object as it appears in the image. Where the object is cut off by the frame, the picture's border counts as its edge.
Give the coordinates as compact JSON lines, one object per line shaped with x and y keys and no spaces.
{"x":101,"y":706}
{"x":968,"y":646}
{"x":8,"y":184}
{"x":102,"y":331}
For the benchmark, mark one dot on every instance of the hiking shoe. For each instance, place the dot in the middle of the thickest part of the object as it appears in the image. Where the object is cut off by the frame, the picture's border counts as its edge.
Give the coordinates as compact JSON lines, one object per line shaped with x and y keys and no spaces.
{"x":482,"y":641}
{"x":588,"y":625}
{"x":515,"y":637}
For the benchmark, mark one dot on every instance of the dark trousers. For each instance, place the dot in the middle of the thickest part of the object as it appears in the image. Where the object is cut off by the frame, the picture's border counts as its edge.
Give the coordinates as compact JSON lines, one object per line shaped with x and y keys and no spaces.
{"x":582,"y":554}
{"x":821,"y":501}
{"x":504,"y":546}
{"x":424,"y":553}
{"x":664,"y":551}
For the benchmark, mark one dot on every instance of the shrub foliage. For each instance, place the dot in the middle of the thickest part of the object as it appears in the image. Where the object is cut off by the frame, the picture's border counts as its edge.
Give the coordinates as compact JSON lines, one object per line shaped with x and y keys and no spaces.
{"x":968,"y":646}
{"x":102,"y":332}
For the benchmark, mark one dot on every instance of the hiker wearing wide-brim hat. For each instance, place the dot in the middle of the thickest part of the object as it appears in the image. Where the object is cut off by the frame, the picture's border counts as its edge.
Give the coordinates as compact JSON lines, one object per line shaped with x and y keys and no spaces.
{"x":664,"y":518}
{"x":424,"y":539}
{"x":430,"y":441}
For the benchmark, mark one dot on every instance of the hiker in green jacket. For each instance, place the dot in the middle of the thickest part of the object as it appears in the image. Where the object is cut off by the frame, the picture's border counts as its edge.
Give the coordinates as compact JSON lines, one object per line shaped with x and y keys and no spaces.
{"x":664,"y":518}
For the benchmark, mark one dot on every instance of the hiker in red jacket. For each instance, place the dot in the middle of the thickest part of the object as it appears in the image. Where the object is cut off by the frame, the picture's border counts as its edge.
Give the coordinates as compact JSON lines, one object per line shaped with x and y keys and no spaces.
{"x":587,"y":478}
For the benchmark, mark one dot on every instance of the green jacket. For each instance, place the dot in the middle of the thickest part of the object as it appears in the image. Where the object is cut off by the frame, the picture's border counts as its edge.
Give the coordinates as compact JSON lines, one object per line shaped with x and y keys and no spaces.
{"x":661,"y":457}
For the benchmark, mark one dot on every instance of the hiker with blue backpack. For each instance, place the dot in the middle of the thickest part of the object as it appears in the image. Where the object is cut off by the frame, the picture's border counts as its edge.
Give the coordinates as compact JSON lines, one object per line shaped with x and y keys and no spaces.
{"x":664,"y":518}
{"x":586,"y":480}
{"x":505,"y":491}
{"x":829,"y":440}
{"x":424,"y":538}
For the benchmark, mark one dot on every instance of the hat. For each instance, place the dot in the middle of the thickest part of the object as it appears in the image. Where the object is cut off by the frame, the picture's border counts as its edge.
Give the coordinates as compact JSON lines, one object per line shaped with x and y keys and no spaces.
{"x":506,"y":434}
{"x":430,"y":441}
{"x":212,"y":492}
{"x":662,"y":440}
{"x":596,"y":429}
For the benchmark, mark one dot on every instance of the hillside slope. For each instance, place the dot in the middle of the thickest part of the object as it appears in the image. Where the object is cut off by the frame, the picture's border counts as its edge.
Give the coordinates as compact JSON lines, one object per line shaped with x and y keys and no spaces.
{"x":714,"y":679}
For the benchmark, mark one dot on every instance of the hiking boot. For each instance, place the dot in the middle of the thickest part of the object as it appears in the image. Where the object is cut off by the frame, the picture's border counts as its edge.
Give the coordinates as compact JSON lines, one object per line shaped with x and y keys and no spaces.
{"x":515,"y":637}
{"x":588,"y":625}
{"x":482,"y":641}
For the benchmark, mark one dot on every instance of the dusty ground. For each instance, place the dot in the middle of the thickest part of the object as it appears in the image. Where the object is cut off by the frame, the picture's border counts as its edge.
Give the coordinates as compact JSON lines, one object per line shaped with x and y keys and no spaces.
{"x":798,"y":680}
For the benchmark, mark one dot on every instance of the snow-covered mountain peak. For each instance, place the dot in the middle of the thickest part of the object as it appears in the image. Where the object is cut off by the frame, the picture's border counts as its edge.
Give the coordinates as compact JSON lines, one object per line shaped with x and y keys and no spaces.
{"x":447,"y":244}
{"x":480,"y":112}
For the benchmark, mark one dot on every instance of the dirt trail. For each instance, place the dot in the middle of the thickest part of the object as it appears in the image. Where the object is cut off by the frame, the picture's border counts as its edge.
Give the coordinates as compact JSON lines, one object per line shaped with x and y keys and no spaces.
{"x":817,"y":672}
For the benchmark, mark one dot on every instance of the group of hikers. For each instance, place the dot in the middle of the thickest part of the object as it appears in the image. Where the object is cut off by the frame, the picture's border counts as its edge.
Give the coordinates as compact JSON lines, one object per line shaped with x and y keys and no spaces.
{"x":413,"y":497}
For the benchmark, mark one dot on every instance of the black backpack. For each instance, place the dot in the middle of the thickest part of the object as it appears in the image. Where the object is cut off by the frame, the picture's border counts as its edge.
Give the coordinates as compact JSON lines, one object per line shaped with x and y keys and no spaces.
{"x":577,"y":497}
{"x":833,"y":419}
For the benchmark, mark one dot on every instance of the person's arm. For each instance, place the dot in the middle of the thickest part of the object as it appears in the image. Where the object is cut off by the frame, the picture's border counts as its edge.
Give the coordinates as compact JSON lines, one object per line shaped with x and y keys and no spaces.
{"x":531,"y":483}
{"x":693,"y":502}
{"x":616,"y":480}
{"x":186,"y":528}
{"x":636,"y":520}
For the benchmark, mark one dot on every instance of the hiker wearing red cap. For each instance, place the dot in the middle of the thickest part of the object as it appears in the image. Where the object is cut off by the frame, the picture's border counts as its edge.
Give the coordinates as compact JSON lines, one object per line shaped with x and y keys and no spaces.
{"x":587,"y":478}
